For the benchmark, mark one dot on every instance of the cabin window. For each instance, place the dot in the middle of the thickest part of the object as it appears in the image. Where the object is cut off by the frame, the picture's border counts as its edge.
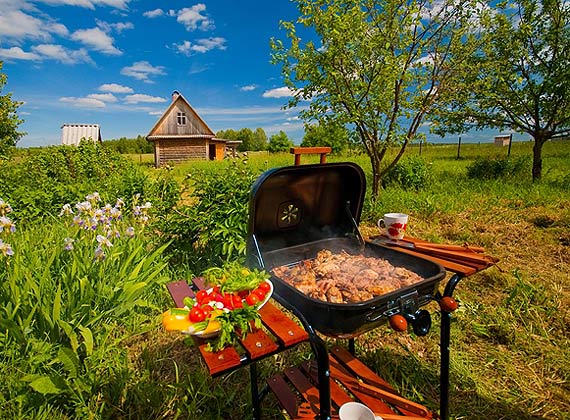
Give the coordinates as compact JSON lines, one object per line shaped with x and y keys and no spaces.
{"x":181,"y":118}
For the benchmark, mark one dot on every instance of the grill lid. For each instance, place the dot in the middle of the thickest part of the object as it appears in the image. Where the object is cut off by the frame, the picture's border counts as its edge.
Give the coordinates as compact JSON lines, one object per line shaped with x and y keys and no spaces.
{"x":294,"y":205}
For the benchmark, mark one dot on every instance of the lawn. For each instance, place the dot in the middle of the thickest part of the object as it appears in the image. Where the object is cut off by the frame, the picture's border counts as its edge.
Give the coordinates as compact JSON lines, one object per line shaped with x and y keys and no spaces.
{"x":510,"y":341}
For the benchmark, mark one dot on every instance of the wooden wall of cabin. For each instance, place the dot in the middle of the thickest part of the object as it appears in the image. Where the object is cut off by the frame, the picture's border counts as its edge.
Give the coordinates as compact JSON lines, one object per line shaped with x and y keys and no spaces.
{"x":175,"y":151}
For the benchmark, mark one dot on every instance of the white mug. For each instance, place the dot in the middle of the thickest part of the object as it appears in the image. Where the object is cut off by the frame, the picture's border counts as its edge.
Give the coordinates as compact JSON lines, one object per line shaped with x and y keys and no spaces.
{"x":394,"y":225}
{"x":356,"y":411}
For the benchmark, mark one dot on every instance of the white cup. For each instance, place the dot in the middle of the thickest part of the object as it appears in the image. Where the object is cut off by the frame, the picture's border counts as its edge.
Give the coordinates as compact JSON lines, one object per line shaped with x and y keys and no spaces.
{"x":356,"y":411}
{"x":394,"y":225}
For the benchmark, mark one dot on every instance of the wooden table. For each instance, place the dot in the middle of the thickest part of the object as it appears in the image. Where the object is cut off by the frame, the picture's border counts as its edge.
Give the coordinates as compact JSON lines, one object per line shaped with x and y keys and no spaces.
{"x":318,"y":388}
{"x":278,"y":334}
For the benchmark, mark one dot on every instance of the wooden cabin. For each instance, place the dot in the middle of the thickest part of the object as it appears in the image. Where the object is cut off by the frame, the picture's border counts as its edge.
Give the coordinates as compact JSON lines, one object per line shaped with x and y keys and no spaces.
{"x":72,"y":134}
{"x":180,"y":134}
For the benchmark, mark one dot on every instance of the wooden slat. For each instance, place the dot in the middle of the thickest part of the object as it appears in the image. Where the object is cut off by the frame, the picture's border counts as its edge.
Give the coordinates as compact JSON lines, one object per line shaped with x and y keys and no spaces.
{"x":221,"y":361}
{"x":283,"y":327}
{"x":375,"y":404}
{"x":338,"y":395}
{"x":449,"y":265}
{"x":308,"y":391}
{"x":360,"y":371}
{"x":258,"y":344}
{"x":178,"y":291}
{"x":286,"y":398}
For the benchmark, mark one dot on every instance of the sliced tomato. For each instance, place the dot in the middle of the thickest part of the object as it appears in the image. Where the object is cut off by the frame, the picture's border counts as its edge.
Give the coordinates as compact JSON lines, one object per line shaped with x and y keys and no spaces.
{"x":260,"y":293}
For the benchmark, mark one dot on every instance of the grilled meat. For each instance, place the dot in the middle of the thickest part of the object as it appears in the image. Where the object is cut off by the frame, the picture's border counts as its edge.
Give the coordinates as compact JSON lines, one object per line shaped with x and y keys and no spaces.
{"x":345,"y":278}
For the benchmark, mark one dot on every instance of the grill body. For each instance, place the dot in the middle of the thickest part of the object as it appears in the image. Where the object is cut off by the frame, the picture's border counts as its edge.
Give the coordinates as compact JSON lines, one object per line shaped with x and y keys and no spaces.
{"x":295,"y":212}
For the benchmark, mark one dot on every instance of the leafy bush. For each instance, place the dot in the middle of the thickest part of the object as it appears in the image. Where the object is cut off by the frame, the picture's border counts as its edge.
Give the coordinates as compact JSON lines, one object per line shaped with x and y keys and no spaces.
{"x":212,"y":227}
{"x":41,"y":182}
{"x":489,"y":168}
{"x":411,"y":173}
{"x":69,"y":294}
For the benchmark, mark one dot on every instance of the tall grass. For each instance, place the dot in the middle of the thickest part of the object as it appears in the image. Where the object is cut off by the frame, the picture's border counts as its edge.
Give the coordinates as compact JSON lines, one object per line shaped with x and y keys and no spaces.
{"x":80,"y":339}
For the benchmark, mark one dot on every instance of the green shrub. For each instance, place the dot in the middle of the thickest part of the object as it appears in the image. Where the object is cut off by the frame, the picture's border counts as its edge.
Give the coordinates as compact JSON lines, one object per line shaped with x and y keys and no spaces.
{"x":411,"y":173}
{"x":498,"y":168}
{"x":41,"y":182}
{"x":212,"y":227}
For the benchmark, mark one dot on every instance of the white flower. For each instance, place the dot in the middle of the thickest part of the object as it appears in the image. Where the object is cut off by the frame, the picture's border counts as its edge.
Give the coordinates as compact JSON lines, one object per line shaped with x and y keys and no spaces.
{"x":104,"y":241}
{"x":66,"y":210}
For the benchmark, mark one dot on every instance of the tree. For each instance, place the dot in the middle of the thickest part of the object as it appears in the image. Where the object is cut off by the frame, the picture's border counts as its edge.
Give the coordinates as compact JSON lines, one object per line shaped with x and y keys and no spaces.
{"x":259,"y":139}
{"x":333,"y":135}
{"x":379,"y":67}
{"x":279,"y":142}
{"x":519,"y":77}
{"x":9,"y":121}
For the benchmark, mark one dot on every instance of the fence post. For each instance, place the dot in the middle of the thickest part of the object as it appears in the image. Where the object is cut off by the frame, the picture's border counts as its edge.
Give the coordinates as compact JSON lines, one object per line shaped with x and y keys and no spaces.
{"x":510,"y":142}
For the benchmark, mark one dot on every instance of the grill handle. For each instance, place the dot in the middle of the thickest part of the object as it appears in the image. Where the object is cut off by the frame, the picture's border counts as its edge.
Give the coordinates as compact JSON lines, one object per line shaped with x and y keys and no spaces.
{"x":257,"y":253}
{"x":357,"y":234}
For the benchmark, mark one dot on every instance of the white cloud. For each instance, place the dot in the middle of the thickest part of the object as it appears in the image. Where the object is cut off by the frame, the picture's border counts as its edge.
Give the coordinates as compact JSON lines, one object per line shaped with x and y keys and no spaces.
{"x":59,"y":53}
{"x":97,"y":39}
{"x":201,"y":45}
{"x":192,"y":18}
{"x":104,"y":97}
{"x":117,"y":27}
{"x":153,"y":13}
{"x":16,"y":53}
{"x":89,"y":4}
{"x":139,"y":97}
{"x":115,"y":88}
{"x":83,"y":102}
{"x":19,"y":25}
{"x":247,"y":88}
{"x":142,"y":70}
{"x":282,"y":92}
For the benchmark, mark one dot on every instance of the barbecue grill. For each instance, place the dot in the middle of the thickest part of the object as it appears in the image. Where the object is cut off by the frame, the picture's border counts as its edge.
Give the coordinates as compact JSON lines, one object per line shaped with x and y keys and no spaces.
{"x":297,"y":211}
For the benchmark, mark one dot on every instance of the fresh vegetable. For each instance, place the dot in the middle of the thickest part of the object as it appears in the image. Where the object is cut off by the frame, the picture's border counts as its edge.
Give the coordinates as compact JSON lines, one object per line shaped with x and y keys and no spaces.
{"x":233,"y":325}
{"x":230,"y":306}
{"x":233,"y":277}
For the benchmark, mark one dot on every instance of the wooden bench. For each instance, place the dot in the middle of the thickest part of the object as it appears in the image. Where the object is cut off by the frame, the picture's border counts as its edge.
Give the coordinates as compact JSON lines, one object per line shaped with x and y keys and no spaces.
{"x":279,"y":333}
{"x":351,"y":380}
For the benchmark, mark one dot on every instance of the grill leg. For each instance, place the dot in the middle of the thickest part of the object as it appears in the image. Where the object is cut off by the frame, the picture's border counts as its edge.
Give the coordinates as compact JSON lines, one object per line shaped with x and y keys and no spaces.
{"x":351,"y":347}
{"x":322,"y":356}
{"x":445,"y":333}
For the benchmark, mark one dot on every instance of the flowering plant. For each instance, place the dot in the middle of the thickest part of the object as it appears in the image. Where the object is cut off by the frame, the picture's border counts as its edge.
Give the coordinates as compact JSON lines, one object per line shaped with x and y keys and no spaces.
{"x":102,"y":224}
{"x":6,"y":227}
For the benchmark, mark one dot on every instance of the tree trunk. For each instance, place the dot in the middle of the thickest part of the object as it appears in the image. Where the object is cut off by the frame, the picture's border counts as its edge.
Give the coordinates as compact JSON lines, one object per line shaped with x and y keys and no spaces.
{"x":537,"y":158}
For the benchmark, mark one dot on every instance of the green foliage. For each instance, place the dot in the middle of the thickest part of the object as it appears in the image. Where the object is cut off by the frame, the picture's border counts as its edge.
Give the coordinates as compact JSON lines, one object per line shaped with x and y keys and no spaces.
{"x":63,"y":311}
{"x":41,"y":182}
{"x":517,"y":75}
{"x":333,"y":135}
{"x":498,"y":168}
{"x":139,"y":145}
{"x":211,"y":227}
{"x":376,"y":67}
{"x":9,"y":121}
{"x":250,"y":140}
{"x":279,"y":142}
{"x":409,"y":173}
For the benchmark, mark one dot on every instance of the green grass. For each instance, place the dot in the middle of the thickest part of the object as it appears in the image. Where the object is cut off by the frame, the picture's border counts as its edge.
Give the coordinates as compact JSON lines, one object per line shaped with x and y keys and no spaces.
{"x":510,"y":342}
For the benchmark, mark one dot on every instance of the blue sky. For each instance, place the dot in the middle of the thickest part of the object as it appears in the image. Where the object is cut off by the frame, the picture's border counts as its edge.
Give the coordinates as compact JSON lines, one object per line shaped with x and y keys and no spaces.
{"x":116,"y":63}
